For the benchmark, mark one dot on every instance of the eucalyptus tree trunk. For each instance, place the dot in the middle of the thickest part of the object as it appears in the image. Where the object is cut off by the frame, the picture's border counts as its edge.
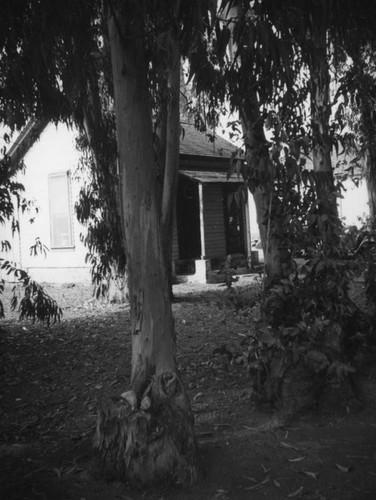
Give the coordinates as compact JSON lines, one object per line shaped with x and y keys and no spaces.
{"x":147,"y":434}
{"x":368,"y":127}
{"x":320,"y":112}
{"x":371,"y":185}
{"x":276,"y":257}
{"x":171,"y":139}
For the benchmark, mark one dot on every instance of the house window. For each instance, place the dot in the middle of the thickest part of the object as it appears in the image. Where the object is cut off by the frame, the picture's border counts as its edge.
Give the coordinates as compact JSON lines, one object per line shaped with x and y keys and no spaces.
{"x":60,"y":210}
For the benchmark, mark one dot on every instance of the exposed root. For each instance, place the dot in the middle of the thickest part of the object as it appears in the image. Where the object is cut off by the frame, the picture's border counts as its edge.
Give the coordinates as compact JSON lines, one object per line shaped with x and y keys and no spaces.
{"x":152,"y":442}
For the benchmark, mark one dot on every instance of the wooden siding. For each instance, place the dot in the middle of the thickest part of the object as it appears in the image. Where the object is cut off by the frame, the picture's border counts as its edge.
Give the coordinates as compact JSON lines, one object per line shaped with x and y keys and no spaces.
{"x":215,"y":240}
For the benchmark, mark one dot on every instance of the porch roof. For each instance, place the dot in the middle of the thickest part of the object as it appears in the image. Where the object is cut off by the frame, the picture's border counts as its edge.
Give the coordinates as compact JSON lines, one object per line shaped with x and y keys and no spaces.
{"x":210,"y":176}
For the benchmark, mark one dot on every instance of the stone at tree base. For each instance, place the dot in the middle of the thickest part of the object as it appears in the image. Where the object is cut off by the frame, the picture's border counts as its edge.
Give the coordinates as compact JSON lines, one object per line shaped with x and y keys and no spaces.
{"x":144,"y":447}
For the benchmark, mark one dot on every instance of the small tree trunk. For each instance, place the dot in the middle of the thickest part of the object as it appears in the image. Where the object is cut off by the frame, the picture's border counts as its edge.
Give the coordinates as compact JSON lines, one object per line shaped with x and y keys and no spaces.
{"x":371,"y":187}
{"x":277,"y":259}
{"x":368,"y":124}
{"x":320,"y":111}
{"x":146,"y":435}
{"x":261,"y":182}
{"x":118,"y":292}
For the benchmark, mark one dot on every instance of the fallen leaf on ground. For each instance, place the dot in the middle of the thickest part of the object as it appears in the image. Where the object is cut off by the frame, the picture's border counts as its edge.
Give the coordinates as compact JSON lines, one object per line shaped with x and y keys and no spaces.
{"x":295,"y":493}
{"x":250,"y":478}
{"x":264,"y":469}
{"x":257,"y":485}
{"x":290,"y":446}
{"x":252,"y":429}
{"x":314,"y":475}
{"x":298,"y":459}
{"x":342,"y":468}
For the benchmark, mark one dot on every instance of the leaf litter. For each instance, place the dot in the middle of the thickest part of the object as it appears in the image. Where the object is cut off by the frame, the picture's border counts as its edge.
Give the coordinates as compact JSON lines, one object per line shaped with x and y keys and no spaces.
{"x":60,"y":374}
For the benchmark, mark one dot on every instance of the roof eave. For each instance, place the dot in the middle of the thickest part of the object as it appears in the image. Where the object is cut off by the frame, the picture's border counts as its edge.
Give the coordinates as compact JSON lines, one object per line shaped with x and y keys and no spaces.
{"x":25,"y":140}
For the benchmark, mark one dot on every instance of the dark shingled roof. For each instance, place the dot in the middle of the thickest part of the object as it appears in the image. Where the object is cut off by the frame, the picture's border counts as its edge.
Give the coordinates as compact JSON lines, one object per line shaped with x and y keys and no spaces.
{"x":192,"y":142}
{"x":196,"y":143}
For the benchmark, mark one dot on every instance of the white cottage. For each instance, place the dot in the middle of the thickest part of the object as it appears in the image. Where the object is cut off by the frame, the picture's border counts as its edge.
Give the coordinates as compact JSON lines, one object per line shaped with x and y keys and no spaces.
{"x":208,"y":227}
{"x":48,"y":182}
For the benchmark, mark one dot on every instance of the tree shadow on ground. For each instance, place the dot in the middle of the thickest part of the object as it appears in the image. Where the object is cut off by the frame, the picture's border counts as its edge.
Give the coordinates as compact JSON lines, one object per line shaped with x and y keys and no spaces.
{"x":53,"y":380}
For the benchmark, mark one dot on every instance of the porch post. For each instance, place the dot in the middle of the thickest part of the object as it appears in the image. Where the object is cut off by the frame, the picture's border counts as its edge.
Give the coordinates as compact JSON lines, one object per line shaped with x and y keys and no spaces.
{"x":248,"y":227}
{"x":202,"y":227}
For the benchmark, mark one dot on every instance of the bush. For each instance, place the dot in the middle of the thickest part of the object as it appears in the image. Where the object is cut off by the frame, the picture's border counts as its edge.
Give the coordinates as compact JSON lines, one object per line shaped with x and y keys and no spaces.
{"x":36,"y":304}
{"x":303,"y":342}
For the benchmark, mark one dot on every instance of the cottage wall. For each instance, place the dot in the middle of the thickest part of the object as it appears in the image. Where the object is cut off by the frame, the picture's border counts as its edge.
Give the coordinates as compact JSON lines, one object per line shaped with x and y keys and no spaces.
{"x":54,"y":153}
{"x":353,"y":208}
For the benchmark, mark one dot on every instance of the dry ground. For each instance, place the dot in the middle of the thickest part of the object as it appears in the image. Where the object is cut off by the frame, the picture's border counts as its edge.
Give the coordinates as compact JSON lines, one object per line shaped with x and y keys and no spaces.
{"x":52,"y":379}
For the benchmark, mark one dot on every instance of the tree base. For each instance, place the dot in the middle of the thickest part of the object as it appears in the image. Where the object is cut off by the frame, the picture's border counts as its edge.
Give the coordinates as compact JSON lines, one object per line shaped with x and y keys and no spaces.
{"x":149,"y":442}
{"x":118,"y":290}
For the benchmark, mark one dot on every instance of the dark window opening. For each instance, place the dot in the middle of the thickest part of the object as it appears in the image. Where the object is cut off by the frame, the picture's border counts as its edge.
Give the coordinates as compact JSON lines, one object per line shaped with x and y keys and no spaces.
{"x":188,"y":219}
{"x":234,"y":220}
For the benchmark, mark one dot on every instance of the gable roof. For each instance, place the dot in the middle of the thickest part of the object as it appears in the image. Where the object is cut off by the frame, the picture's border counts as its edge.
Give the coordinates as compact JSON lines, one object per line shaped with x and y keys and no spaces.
{"x":204,"y":144}
{"x":24,"y":141}
{"x":192,"y":142}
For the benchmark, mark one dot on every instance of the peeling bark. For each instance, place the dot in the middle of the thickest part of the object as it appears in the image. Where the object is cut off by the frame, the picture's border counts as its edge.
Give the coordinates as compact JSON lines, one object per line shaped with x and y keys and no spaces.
{"x":150,"y":443}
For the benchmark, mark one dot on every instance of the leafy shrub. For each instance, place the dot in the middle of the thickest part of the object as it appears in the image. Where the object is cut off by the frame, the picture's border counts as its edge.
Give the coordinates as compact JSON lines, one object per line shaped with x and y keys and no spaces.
{"x":309,"y":352}
{"x":36,"y":304}
{"x":303,"y":342}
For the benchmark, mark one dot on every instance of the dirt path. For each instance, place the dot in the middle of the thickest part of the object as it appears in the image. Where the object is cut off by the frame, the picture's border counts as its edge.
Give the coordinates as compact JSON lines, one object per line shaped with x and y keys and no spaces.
{"x":53,"y":379}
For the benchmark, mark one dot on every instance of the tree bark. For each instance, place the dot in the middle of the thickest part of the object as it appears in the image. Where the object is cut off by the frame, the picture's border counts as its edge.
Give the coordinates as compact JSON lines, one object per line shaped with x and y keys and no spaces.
{"x":368,"y":127}
{"x":277,"y":258}
{"x":147,"y":434}
{"x":371,"y":186}
{"x":320,"y":112}
{"x":171,"y":149}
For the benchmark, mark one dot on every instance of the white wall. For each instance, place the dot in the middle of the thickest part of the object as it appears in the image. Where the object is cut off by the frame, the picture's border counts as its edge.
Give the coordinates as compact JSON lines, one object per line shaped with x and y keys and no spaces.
{"x":354,"y":203}
{"x":54,"y":152}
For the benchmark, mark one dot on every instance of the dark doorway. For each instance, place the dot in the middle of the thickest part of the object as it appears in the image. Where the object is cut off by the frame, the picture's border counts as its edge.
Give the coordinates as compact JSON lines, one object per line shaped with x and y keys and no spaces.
{"x":188,"y":219}
{"x":234,"y":219}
